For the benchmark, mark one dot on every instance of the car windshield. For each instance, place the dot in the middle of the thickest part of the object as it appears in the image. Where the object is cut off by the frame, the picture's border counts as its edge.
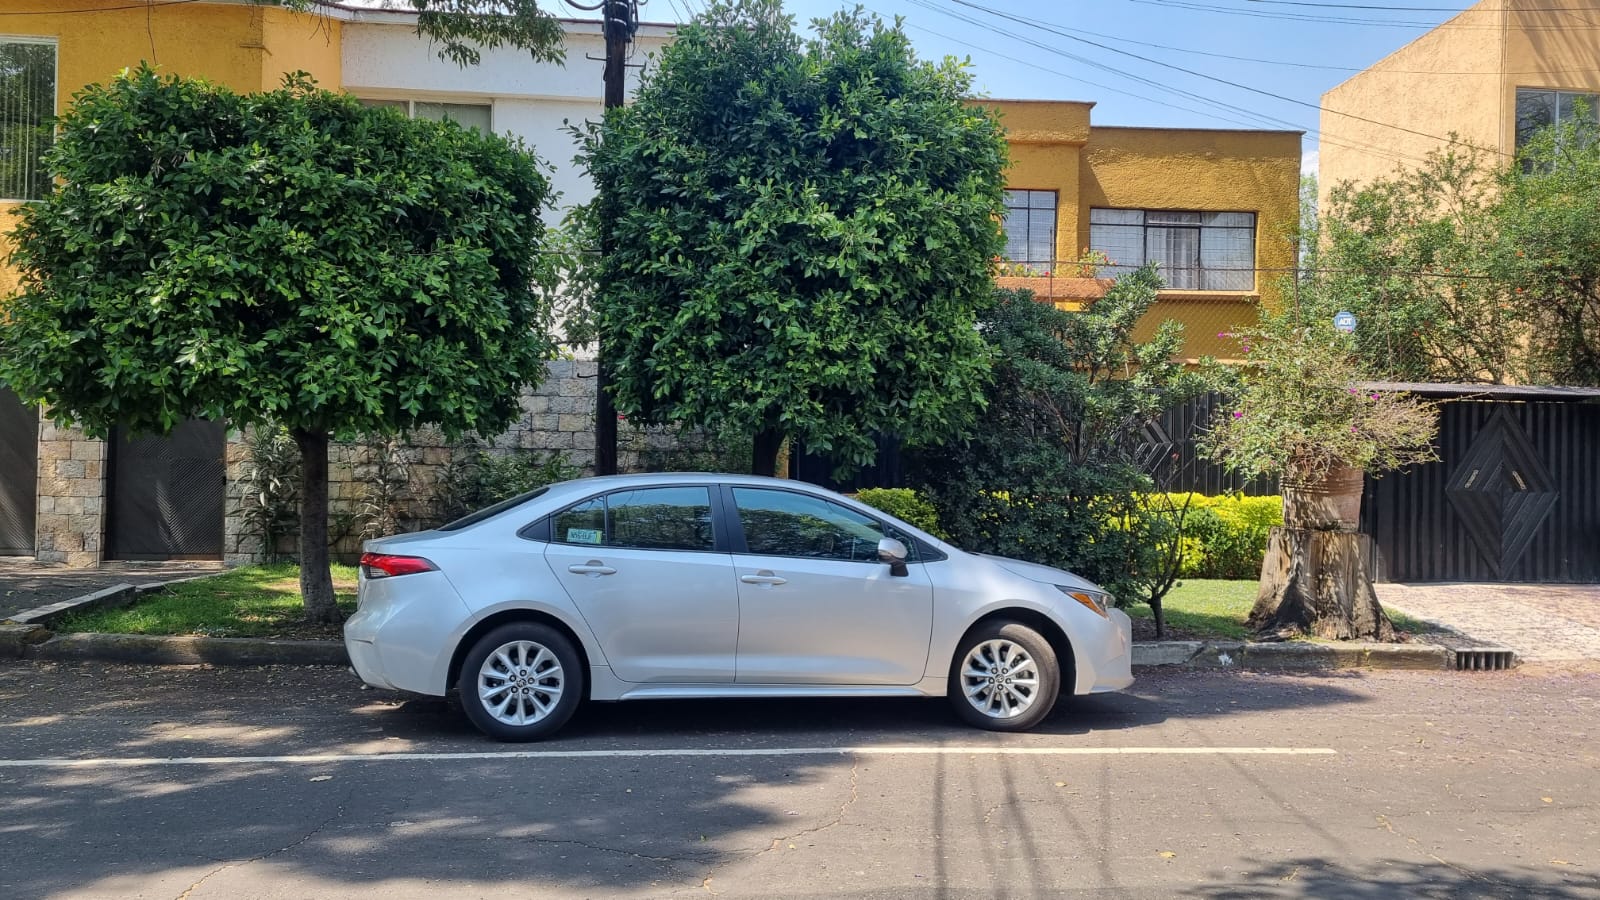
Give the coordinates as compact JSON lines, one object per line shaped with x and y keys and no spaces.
{"x":491,"y":511}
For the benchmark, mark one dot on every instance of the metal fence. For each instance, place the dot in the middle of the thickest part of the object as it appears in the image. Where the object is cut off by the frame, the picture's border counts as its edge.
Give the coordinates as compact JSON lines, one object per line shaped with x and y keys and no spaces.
{"x":1167,"y":451}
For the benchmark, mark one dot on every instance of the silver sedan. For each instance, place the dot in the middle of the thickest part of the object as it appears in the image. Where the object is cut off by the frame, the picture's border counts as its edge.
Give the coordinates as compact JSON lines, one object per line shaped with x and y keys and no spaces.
{"x":635,"y":587}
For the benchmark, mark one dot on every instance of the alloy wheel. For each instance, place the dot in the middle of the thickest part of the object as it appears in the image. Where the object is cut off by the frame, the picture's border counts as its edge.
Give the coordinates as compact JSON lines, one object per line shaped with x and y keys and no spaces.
{"x":1000,"y":679}
{"x":520,"y":682}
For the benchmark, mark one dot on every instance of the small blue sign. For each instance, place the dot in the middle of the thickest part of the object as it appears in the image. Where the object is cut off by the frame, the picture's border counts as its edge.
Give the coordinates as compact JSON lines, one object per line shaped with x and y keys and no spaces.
{"x":1345,"y":322}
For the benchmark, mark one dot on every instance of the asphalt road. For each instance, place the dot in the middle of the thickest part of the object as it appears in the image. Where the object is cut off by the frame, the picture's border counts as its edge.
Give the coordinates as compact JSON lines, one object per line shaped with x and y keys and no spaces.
{"x":295,"y":783}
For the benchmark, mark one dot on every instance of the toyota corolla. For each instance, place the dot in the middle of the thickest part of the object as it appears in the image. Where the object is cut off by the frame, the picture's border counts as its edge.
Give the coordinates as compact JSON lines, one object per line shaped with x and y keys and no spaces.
{"x":649,"y":586}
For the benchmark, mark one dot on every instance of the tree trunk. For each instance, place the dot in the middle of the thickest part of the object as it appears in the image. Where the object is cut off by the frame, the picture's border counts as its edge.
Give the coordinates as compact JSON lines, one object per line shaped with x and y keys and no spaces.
{"x":316,"y":580}
{"x":764,"y":459}
{"x":1319,"y":583}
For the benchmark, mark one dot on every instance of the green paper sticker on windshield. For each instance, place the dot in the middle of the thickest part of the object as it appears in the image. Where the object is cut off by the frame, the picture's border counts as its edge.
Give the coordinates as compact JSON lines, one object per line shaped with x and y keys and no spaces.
{"x":583,"y":536}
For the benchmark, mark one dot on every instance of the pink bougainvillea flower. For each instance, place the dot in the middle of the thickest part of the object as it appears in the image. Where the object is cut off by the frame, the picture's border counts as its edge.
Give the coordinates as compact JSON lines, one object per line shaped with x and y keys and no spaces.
{"x":1238,"y":415}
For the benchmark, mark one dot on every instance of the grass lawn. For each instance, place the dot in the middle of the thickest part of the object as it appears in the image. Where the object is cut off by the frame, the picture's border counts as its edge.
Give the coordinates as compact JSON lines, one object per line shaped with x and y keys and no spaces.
{"x":255,"y":601}
{"x":1201,"y":608}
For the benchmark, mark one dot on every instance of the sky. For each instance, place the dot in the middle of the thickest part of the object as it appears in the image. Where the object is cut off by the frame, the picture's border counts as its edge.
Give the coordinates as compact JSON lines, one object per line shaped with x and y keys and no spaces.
{"x":1128,"y":56}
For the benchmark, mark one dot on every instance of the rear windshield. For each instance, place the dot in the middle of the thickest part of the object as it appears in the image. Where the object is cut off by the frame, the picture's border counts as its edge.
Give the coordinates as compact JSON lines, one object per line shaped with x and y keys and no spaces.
{"x":491,"y":511}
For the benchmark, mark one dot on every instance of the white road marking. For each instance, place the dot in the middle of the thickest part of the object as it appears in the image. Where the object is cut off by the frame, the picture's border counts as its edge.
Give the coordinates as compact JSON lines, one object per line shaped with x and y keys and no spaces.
{"x":137,"y":762}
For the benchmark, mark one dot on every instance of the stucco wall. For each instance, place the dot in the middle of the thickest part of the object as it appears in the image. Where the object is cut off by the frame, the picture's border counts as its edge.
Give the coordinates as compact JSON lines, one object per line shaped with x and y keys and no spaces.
{"x":1448,"y":80}
{"x":1054,"y":147}
{"x":1206,"y":170}
{"x":532,"y":100}
{"x":1548,"y":45}
{"x":244,"y":47}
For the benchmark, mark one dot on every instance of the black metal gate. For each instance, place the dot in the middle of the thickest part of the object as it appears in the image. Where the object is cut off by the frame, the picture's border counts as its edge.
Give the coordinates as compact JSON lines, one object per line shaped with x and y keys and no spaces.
{"x":1515,"y":497}
{"x":19,"y":474}
{"x":166,"y":494}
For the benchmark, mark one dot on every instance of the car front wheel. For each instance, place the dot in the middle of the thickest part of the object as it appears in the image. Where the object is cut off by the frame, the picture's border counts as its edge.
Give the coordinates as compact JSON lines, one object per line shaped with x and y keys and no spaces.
{"x":1005,"y":677}
{"x":521,"y":682}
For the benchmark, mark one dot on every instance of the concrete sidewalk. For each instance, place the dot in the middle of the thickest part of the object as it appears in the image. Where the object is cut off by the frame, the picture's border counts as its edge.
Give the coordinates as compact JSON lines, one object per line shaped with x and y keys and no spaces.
{"x":25,"y":583}
{"x":1543,"y":623}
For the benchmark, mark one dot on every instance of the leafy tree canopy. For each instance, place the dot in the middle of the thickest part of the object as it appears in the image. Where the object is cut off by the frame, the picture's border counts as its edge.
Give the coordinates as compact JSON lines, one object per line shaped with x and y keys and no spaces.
{"x":282,"y":257}
{"x":463,"y":28}
{"x":1469,"y":268}
{"x":800,"y":233}
{"x":285,"y":257}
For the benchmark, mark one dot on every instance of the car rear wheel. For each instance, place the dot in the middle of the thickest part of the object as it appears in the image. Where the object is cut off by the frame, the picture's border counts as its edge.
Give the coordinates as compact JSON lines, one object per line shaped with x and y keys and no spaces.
{"x":1005,"y":677}
{"x":521,"y":682}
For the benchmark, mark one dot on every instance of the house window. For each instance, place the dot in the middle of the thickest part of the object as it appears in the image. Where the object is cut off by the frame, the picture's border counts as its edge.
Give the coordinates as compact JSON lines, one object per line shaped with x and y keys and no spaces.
{"x":1195,"y":251}
{"x":27,"y":106}
{"x":468,"y":115}
{"x":1031,"y":228}
{"x":1538,"y":109}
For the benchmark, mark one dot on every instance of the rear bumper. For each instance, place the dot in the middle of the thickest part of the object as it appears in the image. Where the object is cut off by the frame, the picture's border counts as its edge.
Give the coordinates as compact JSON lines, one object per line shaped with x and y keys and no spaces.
{"x":1108,"y":666}
{"x":396,"y":638}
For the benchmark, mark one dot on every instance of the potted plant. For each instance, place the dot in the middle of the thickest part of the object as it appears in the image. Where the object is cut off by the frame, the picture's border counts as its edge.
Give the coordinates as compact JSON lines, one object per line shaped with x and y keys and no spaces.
{"x":1299,"y":410}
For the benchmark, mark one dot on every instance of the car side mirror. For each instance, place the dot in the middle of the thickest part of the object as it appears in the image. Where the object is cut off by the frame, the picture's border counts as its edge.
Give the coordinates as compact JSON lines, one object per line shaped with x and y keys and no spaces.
{"x":894,"y":553}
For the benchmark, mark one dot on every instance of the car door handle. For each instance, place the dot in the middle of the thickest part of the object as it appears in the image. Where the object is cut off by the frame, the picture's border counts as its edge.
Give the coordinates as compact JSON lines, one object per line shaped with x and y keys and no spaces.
{"x":594,"y":568}
{"x":763,"y":577}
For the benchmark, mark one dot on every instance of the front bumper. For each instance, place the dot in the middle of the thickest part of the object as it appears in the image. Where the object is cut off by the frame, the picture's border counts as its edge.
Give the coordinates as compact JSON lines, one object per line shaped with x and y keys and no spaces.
{"x":1110,"y":667}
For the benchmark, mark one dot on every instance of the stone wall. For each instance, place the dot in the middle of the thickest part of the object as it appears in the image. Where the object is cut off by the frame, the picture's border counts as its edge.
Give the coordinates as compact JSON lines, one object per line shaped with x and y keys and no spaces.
{"x":557,"y":418}
{"x":72,"y":497}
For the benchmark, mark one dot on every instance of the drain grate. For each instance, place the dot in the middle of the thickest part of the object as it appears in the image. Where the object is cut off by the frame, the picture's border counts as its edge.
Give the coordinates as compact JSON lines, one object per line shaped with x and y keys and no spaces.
{"x":1484,"y":659}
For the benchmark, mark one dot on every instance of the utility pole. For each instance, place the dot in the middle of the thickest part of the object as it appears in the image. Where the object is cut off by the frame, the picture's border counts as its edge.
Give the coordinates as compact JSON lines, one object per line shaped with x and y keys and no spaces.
{"x":619,"y":20}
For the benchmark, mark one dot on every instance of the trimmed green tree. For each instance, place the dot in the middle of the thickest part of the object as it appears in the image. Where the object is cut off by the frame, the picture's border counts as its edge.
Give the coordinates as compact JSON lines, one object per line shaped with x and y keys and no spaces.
{"x":285,"y":257}
{"x":801,"y":234}
{"x":1053,"y":475}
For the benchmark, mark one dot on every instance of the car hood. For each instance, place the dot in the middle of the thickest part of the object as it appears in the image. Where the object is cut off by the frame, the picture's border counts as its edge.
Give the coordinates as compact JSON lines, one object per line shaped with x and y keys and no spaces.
{"x":1042,"y":574}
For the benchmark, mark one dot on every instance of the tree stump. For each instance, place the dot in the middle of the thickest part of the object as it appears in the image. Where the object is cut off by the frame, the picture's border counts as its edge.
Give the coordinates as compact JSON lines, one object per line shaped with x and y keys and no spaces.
{"x":1320,"y":583}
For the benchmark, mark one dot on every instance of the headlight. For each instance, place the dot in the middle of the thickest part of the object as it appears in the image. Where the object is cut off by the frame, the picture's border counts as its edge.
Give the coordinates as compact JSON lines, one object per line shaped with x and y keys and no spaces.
{"x":1096,"y":601}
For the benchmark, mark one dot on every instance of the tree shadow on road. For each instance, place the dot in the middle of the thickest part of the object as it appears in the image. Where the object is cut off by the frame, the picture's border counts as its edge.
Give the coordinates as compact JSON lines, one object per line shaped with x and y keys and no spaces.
{"x":589,"y":826}
{"x":1384,"y":879}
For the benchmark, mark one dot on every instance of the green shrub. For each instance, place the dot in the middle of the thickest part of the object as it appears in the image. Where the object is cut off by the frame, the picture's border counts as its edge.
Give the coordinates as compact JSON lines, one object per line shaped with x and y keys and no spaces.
{"x":904,"y":504}
{"x":1226,"y":536}
{"x":477,"y":477}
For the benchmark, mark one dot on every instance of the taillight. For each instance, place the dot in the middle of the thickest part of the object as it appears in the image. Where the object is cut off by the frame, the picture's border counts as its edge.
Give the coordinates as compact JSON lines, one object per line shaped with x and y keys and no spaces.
{"x":383,"y":565}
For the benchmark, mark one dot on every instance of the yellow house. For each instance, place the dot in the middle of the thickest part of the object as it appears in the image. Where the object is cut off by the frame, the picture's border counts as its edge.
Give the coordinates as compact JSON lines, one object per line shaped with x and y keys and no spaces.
{"x":1490,"y":75}
{"x":1216,"y":209}
{"x":247,"y":47}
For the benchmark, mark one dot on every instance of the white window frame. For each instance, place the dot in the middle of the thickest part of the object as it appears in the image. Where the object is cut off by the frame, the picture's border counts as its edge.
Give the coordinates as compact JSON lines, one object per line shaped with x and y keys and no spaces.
{"x":410,"y":105}
{"x":1590,"y":97}
{"x":55,"y":81}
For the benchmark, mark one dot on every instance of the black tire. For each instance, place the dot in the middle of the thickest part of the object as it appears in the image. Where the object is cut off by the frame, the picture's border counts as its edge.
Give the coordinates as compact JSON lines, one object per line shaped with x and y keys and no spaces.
{"x":1042,"y":696}
{"x":519,"y":636}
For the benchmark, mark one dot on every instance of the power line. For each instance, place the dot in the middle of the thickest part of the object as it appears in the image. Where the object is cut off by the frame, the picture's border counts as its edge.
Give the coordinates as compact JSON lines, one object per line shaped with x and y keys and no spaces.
{"x":153,"y":4}
{"x":1298,"y":65}
{"x":1395,"y":156}
{"x":1234,"y":84}
{"x":1047,"y":69}
{"x":1257,"y":118}
{"x":1352,"y":20}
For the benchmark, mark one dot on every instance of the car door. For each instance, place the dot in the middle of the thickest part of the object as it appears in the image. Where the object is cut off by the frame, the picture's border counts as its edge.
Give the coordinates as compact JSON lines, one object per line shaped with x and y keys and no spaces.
{"x":644,"y":567}
{"x":816,"y":606}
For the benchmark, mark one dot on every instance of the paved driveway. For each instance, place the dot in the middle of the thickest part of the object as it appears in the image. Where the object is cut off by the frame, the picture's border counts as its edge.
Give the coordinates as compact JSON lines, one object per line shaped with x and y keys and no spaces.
{"x":25,"y":583}
{"x":1543,"y":623}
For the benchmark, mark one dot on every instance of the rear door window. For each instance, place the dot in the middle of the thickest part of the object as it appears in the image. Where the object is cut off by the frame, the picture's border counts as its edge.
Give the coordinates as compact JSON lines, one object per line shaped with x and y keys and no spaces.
{"x":653,"y":518}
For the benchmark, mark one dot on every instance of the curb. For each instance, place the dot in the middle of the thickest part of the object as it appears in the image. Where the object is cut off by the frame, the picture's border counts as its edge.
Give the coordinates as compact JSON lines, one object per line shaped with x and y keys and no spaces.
{"x":1291,"y":656}
{"x":157,"y":650}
